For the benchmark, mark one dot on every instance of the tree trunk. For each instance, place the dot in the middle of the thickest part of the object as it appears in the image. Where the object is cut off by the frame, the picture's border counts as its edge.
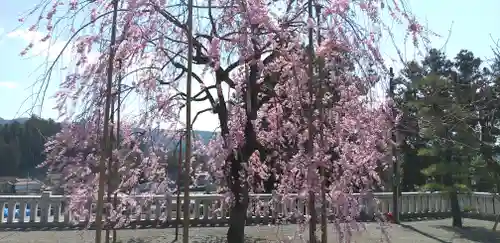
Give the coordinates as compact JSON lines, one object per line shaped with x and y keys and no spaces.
{"x":453,"y":195}
{"x":450,"y":184}
{"x":237,"y":222}
{"x":238,"y":212}
{"x":496,"y":197}
{"x":455,"y":209}
{"x":238,"y":184}
{"x":497,"y":218}
{"x":495,"y":225}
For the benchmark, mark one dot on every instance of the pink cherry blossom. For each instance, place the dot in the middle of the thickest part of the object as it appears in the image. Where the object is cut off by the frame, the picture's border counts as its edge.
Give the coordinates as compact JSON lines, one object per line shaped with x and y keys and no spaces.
{"x":257,"y":49}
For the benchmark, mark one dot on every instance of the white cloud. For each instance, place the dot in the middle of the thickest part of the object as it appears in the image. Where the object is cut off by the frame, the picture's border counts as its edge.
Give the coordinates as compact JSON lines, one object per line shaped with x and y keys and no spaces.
{"x":8,"y":84}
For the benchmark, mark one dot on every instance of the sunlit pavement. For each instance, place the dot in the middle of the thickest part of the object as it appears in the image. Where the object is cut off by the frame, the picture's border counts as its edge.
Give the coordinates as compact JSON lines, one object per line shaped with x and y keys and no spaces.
{"x":410,"y":232}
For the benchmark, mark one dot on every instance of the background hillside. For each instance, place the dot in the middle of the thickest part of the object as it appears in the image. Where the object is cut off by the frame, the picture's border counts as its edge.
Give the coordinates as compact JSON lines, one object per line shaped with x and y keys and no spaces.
{"x":20,"y":120}
{"x":22,"y":140}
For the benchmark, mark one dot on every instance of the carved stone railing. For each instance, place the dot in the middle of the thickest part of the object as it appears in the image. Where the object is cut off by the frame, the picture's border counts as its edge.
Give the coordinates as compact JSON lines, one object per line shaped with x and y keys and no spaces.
{"x":46,"y":210}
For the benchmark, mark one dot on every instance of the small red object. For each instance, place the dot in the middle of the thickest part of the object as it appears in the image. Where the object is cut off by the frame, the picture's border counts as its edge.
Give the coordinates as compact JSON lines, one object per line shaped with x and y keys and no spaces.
{"x":389,"y":217}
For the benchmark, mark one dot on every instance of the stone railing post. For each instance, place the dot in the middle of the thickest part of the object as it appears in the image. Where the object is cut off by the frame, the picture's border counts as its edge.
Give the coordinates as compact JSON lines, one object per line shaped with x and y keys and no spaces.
{"x":44,"y":207}
{"x":277,"y":207}
{"x":169,"y":205}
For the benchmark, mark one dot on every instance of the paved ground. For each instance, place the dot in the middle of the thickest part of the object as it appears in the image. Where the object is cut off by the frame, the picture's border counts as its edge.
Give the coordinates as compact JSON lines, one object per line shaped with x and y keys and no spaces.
{"x":436,"y":231}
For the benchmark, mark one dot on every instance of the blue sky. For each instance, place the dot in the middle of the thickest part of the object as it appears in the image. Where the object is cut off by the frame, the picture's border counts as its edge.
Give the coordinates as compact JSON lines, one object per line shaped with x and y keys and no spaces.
{"x":472,"y":22}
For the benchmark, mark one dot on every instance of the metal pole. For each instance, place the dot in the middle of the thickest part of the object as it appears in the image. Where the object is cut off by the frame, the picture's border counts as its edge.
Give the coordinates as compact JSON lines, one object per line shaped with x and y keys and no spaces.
{"x":395,"y":162}
{"x":324,"y":229}
{"x":178,"y":198}
{"x":310,"y":125}
{"x":118,"y":128}
{"x":105,"y":139}
{"x":185,"y":235}
{"x":110,"y":165}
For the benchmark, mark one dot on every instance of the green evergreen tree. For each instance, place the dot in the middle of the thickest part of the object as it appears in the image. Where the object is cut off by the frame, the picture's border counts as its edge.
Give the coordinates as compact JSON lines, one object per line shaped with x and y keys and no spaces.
{"x":441,"y":109}
{"x":22,"y":146}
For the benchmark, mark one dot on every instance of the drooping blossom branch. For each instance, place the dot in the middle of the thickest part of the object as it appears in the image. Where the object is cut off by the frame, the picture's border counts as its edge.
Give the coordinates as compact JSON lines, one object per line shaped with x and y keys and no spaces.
{"x":256,"y":49}
{"x":75,"y":153}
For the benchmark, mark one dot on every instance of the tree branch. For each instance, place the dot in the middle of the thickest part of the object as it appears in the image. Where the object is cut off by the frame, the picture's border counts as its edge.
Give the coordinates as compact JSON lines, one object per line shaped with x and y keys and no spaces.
{"x":199,"y":113}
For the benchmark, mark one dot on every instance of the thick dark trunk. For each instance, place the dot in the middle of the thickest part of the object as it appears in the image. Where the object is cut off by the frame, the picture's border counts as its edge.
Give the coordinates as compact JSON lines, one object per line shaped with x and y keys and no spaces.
{"x":455,"y":209}
{"x":237,"y":214}
{"x":453,"y":195}
{"x":239,"y":186}
{"x":497,"y":218}
{"x":237,"y":222}
{"x":449,"y":182}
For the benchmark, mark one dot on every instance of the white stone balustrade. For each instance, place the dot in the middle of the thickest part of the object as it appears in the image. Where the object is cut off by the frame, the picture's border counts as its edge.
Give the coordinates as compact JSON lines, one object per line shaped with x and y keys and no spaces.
{"x":46,"y":210}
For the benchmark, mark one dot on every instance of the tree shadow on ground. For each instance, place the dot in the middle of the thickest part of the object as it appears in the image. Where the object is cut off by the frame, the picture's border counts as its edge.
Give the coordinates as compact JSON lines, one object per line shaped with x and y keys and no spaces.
{"x":476,"y":234}
{"x":222,"y":239}
{"x":409,"y":227}
{"x":206,"y":239}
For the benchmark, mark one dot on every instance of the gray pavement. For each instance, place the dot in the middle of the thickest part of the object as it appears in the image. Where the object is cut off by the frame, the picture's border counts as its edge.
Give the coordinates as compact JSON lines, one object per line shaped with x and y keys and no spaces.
{"x":434,"y":231}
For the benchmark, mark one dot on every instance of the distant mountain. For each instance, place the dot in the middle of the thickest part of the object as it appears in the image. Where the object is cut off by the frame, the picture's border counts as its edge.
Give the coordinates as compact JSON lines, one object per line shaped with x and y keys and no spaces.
{"x":205,"y":136}
{"x":19,"y":120}
{"x":21,"y":156}
{"x":159,"y":137}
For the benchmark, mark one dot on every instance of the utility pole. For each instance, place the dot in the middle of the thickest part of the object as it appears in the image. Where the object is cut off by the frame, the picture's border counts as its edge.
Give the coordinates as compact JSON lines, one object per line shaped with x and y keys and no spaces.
{"x":394,"y":157}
